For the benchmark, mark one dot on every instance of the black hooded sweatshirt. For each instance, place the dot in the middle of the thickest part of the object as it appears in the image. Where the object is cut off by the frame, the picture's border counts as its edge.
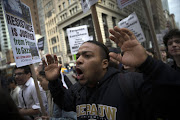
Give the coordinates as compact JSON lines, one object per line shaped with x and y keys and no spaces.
{"x":109,"y":101}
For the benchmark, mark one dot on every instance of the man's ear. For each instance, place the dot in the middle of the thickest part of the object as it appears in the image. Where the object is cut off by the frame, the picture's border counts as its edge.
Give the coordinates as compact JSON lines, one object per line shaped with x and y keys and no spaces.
{"x":105,"y":63}
{"x":29,"y":74}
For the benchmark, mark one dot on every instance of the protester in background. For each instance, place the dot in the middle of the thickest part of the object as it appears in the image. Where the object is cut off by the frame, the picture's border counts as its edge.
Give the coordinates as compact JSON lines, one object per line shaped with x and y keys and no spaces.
{"x":55,"y":112}
{"x":29,"y":105}
{"x":14,"y":89}
{"x":172,"y":43}
{"x":8,"y":109}
{"x":163,"y":54}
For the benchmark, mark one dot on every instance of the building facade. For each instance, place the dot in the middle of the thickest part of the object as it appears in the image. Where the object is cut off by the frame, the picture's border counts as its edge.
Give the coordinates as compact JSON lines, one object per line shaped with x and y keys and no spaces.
{"x":52,"y":33}
{"x":34,"y":14}
{"x":68,"y":13}
{"x":158,"y":15}
{"x":5,"y":44}
{"x":41,"y":15}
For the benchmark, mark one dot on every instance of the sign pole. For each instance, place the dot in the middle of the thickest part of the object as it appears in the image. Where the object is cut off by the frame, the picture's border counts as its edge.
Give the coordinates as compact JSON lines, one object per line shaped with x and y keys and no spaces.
{"x":96,"y":23}
{"x":37,"y":89}
{"x":151,"y":26}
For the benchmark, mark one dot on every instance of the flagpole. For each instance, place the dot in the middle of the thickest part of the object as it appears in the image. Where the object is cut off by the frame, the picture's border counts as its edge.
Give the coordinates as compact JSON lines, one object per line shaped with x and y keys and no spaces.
{"x":151,"y":26}
{"x":96,"y":23}
{"x":37,"y":89}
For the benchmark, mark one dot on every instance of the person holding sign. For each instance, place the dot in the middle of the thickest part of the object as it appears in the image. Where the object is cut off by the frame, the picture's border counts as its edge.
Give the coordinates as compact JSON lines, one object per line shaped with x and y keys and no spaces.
{"x":29,"y":105}
{"x":104,"y":93}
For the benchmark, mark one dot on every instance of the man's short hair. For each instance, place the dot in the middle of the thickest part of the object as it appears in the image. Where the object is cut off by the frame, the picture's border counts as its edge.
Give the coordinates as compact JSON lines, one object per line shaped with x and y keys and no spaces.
{"x":26,"y":69}
{"x":104,"y":50}
{"x":172,"y":33}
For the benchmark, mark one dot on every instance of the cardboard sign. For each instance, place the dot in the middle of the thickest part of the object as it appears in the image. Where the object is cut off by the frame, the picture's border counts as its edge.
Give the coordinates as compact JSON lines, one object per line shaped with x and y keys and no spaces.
{"x":132,"y":23}
{"x":77,"y":36}
{"x":21,"y":31}
{"x":41,"y":43}
{"x":86,"y":4}
{"x":124,"y":3}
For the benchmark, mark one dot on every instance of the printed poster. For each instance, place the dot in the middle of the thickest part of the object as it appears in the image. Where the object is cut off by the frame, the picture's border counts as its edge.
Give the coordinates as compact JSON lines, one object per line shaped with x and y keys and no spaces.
{"x":124,"y":3}
{"x":86,"y":4}
{"x":21,"y":31}
{"x":41,"y":43}
{"x":132,"y":23}
{"x":77,"y":36}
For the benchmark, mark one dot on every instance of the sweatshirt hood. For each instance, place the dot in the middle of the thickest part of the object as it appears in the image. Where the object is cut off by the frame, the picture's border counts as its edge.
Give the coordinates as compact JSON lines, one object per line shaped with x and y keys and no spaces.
{"x":110,"y":72}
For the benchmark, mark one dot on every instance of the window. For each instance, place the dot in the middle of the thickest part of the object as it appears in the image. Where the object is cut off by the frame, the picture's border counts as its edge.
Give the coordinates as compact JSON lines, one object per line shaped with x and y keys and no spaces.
{"x":64,"y":5}
{"x":69,"y":1}
{"x":55,"y":49}
{"x":53,"y":40}
{"x":114,"y":21}
{"x":59,"y":7}
{"x":49,"y":14}
{"x":104,"y":18}
{"x":58,"y":38}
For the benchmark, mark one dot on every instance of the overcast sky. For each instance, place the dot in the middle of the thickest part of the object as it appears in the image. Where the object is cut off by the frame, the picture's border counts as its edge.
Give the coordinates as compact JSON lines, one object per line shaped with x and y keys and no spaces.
{"x":174,"y":7}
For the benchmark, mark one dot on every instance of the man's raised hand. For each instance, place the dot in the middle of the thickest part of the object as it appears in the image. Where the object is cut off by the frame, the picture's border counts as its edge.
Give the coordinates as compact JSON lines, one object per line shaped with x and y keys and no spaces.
{"x":134,"y":53}
{"x":52,"y":70}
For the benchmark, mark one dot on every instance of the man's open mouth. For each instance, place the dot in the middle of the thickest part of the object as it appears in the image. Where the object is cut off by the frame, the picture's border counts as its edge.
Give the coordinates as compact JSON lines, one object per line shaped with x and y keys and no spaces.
{"x":80,"y":74}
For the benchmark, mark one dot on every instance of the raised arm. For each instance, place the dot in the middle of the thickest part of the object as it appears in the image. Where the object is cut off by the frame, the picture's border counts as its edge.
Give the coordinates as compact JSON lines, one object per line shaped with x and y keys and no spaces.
{"x":133,"y":52}
{"x":52,"y":70}
{"x":164,"y":81}
{"x":61,"y":96}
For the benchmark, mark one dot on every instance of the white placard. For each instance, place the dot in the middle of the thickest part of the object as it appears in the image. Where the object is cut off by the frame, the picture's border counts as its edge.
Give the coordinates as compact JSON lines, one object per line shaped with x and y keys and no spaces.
{"x":86,"y":4}
{"x":159,"y":38}
{"x":77,"y":36}
{"x":132,"y":23}
{"x":124,"y":3}
{"x":21,"y":31}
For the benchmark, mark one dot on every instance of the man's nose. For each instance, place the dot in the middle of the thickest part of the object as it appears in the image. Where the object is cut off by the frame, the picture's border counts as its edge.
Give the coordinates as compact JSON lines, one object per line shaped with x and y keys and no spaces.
{"x":79,"y":60}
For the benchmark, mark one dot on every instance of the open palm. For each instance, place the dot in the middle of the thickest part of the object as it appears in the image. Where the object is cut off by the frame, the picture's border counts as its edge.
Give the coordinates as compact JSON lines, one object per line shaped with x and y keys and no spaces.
{"x":52,"y":70}
{"x":133,"y":52}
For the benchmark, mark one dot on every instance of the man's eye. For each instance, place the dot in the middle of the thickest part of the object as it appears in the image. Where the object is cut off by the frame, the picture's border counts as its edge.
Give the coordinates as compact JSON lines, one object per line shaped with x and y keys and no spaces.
{"x":87,"y":56}
{"x":177,"y":41}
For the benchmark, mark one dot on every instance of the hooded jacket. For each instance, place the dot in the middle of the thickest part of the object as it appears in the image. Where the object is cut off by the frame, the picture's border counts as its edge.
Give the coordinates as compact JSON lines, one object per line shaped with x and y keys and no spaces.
{"x":108,"y":101}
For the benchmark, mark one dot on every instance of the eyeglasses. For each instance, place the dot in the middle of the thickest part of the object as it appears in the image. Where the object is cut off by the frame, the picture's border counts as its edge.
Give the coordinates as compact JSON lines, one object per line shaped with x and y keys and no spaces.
{"x":19,"y":74}
{"x":177,"y":41}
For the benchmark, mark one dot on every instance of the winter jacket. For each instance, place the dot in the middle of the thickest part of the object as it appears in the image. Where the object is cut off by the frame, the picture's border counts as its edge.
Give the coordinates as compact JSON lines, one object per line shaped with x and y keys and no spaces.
{"x":165,"y":88}
{"x":108,"y":100}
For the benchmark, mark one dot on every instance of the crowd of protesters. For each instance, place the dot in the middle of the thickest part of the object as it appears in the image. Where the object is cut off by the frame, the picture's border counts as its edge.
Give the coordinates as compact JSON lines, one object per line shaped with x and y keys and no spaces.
{"x":131,"y":85}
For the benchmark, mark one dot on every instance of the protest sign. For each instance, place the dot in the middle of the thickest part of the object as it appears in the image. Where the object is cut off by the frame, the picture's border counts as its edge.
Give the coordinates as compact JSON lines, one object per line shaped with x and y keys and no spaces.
{"x":22,"y":37}
{"x":86,"y":4}
{"x":132,"y":23}
{"x":21,"y":31}
{"x":124,"y":3}
{"x":41,"y":43}
{"x":77,"y":36}
{"x":159,"y":38}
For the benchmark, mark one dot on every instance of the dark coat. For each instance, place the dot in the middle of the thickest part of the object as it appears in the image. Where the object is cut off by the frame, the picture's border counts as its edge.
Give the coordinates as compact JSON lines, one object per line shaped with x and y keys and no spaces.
{"x":109,"y":100}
